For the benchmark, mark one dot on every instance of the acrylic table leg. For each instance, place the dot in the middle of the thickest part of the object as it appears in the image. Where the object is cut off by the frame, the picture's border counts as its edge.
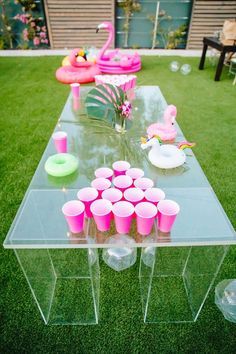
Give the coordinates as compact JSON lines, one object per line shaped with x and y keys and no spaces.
{"x":64,"y":283}
{"x":175,"y":281}
{"x":202,"y":61}
{"x":220,"y":66}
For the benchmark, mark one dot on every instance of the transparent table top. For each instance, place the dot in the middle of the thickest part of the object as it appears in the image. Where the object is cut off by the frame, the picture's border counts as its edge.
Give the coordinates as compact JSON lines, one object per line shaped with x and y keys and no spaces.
{"x":39,"y":222}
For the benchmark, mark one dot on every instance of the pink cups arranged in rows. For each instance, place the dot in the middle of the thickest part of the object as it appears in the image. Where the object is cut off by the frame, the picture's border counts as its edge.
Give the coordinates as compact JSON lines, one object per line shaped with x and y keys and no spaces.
{"x":132,"y":198}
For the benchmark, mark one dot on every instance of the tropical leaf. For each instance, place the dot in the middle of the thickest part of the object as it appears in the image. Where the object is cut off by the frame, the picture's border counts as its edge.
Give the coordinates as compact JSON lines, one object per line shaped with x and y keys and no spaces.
{"x":103,"y":102}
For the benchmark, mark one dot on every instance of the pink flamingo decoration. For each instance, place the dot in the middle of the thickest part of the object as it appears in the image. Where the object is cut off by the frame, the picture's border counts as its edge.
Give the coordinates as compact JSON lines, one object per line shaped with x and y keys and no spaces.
{"x":166,"y":131}
{"x":114,"y":62}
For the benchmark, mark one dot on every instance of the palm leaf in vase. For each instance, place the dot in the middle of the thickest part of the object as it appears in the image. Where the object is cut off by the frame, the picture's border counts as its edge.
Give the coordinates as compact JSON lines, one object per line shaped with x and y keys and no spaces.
{"x":104,"y":101}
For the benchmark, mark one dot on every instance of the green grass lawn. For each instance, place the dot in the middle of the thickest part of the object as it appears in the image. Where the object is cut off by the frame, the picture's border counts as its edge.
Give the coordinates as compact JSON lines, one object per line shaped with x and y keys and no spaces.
{"x":31,"y":102}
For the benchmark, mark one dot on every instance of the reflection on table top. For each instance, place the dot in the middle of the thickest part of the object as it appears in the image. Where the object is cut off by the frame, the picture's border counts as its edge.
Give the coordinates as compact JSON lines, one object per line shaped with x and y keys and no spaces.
{"x":39,"y":222}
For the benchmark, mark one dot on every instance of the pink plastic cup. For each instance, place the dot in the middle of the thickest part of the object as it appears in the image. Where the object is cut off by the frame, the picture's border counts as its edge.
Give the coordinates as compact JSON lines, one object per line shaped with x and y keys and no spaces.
{"x":145,"y":214}
{"x":135,"y":173}
{"x":76,"y":104}
{"x":114,"y":195}
{"x":104,"y":172}
{"x":74,"y":214}
{"x":167,"y":212}
{"x":75,"y":89}
{"x":87,"y":196}
{"x":122,"y":182}
{"x":101,"y":184}
{"x":154,"y":195}
{"x":123,"y":214}
{"x":60,"y":141}
{"x":102,"y":213}
{"x":143,"y":183}
{"x":120,"y":167}
{"x":134,"y":195}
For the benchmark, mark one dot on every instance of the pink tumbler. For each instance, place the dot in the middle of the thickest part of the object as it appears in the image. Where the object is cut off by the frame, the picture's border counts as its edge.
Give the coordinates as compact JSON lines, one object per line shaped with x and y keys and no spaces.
{"x":135,"y":173}
{"x":154,"y":195}
{"x":75,"y":89}
{"x":123,"y":213}
{"x":134,"y":195}
{"x":112,"y":194}
{"x":74,"y":214}
{"x":122,"y":182}
{"x":143,"y":183}
{"x":145,"y":214}
{"x":104,"y":172}
{"x":87,"y":196}
{"x":167,"y":212}
{"x":102,"y":213}
{"x":60,"y":141}
{"x":101,"y":184}
{"x":120,"y":167}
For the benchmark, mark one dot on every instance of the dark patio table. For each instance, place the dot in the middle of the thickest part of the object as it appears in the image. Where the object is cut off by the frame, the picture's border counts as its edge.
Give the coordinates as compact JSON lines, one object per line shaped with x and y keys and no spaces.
{"x":215,"y":43}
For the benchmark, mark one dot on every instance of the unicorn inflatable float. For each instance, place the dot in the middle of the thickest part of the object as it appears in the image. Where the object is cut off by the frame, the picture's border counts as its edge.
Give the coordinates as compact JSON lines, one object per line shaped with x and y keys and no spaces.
{"x":115,"y":62}
{"x":165,"y":156}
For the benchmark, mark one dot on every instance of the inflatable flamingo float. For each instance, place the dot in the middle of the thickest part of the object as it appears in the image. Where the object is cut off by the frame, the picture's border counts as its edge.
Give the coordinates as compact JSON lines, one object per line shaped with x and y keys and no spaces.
{"x":114,"y":62}
{"x":166,"y":131}
{"x":77,"y":72}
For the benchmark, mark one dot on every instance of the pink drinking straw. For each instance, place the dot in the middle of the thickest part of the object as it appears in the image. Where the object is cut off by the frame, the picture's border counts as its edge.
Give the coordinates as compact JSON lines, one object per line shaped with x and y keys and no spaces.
{"x":75,"y":89}
{"x":74,"y":214}
{"x":135,"y":173}
{"x":120,"y":167}
{"x":112,"y":194}
{"x":102,"y":213}
{"x":154,"y":195}
{"x":101,"y":184}
{"x":134,"y":195}
{"x":60,"y":141}
{"x":143,"y":183}
{"x":122,"y":182}
{"x":167,"y":212}
{"x":87,"y":196}
{"x":145,"y":214}
{"x":104,"y":172}
{"x":123,"y":214}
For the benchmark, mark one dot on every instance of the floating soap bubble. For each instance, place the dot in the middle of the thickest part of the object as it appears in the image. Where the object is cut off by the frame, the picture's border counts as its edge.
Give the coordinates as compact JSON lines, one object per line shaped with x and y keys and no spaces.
{"x":185,"y":69}
{"x":174,"y":66}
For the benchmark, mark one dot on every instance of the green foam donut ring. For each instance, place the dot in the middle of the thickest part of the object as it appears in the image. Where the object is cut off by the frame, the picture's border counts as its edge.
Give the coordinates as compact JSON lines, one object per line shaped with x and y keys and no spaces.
{"x":61,"y":165}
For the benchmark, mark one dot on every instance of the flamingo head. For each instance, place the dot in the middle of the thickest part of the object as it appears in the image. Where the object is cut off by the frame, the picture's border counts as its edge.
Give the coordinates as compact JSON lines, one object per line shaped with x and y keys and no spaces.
{"x":105,"y":25}
{"x":148,"y":142}
{"x":170,"y":114}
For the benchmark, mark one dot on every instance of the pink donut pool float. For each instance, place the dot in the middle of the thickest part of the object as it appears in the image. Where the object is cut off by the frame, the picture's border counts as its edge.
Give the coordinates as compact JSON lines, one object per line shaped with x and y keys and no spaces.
{"x":81,"y":73}
{"x":114,"y":62}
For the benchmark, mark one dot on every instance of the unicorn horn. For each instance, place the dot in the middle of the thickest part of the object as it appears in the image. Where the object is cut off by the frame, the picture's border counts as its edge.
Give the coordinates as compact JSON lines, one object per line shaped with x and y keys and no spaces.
{"x":143,"y":140}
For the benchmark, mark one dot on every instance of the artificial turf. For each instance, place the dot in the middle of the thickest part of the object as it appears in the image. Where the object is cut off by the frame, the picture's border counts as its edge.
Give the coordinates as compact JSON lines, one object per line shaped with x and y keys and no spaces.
{"x":31,"y":102}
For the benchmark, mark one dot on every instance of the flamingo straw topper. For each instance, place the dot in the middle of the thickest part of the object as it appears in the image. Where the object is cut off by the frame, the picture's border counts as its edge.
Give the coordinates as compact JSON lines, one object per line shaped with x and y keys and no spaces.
{"x":166,"y":131}
{"x":114,"y":62}
{"x":165,"y":156}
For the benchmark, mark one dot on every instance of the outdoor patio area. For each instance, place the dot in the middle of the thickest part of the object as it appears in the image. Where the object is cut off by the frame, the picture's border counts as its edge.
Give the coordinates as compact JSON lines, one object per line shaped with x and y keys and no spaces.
{"x":32,"y":102}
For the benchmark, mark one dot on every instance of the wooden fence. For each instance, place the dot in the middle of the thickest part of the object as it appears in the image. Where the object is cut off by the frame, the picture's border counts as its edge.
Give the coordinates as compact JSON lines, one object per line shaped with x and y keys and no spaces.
{"x":208,"y":16}
{"x":73,"y":23}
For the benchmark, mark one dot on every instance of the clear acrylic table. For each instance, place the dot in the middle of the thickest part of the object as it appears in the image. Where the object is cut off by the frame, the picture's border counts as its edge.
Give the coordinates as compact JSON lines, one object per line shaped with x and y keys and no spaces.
{"x":176,"y":270}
